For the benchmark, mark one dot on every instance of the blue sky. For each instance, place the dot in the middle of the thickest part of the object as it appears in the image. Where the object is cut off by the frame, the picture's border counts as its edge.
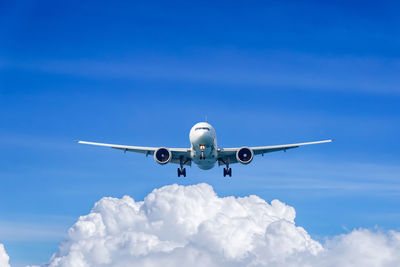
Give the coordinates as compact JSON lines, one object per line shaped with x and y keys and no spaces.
{"x":263,"y":73}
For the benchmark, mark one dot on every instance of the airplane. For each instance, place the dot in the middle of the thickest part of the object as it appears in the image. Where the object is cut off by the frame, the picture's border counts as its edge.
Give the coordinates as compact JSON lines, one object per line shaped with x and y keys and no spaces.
{"x":204,"y":151}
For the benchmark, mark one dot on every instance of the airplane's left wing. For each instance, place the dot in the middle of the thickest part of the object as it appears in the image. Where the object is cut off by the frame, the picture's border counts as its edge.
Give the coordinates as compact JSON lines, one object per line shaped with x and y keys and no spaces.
{"x":178,"y":154}
{"x":229,"y":154}
{"x":267,"y":149}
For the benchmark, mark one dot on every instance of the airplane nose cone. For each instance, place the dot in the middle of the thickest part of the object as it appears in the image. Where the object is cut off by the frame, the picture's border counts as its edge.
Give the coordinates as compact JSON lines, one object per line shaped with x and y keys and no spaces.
{"x":202,"y":137}
{"x":205,"y":139}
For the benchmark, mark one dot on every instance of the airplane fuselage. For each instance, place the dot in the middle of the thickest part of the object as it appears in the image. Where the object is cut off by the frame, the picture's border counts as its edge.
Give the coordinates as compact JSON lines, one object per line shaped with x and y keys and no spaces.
{"x":204,"y":150}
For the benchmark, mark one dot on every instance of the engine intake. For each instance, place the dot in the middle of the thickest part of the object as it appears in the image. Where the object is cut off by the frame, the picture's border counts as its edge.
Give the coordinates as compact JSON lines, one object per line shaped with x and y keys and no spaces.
{"x":162,"y":155}
{"x":244,"y":155}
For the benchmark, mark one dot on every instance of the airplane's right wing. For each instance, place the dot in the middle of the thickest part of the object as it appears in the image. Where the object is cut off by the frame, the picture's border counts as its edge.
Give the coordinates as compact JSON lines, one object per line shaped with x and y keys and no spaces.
{"x":177,"y":154}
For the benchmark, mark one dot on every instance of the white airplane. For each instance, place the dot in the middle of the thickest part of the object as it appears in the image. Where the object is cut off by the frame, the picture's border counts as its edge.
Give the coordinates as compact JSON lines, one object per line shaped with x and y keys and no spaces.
{"x":204,"y":151}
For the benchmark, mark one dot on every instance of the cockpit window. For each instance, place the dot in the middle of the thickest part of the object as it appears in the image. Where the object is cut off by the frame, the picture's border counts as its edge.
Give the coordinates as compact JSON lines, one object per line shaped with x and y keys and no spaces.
{"x":202,"y":128}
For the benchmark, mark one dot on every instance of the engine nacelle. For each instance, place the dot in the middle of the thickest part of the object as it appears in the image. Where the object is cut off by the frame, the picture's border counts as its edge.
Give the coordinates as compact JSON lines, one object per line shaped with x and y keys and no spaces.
{"x":162,"y":155}
{"x":244,"y":155}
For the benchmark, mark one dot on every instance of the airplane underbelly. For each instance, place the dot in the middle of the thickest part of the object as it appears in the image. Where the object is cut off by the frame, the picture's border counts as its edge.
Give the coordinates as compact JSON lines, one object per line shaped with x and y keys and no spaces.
{"x":205,"y":164}
{"x":208,"y":162}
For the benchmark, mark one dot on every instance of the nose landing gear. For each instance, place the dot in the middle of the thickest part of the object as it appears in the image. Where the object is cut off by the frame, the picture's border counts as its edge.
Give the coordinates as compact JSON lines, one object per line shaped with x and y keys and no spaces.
{"x":202,"y":148}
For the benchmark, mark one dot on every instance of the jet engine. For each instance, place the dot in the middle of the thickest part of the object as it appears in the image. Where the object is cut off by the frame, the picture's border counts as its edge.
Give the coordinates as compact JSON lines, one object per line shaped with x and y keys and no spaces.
{"x":162,"y":155}
{"x":244,"y":155}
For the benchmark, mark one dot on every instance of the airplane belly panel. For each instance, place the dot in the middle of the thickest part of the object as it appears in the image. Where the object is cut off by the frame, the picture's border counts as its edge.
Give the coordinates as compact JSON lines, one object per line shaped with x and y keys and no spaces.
{"x":205,"y":164}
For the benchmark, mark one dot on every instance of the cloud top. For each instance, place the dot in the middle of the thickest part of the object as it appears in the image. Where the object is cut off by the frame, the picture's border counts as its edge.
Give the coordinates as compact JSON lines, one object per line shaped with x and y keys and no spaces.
{"x":3,"y":257}
{"x":184,"y":225}
{"x":191,"y":226}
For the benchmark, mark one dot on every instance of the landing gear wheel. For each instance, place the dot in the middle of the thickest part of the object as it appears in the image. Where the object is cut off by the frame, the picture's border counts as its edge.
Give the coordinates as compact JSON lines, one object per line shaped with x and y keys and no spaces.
{"x":182,"y":172}
{"x":228,"y":171}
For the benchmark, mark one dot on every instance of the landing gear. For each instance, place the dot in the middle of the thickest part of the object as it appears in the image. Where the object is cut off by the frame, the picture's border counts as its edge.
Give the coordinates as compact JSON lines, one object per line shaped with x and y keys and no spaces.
{"x":228,"y":171}
{"x":202,"y":148}
{"x":181,"y":171}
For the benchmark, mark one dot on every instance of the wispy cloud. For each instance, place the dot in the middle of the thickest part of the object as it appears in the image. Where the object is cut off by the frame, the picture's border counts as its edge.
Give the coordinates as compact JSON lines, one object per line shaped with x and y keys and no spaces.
{"x":330,"y":175}
{"x":29,"y":231}
{"x":267,"y":70}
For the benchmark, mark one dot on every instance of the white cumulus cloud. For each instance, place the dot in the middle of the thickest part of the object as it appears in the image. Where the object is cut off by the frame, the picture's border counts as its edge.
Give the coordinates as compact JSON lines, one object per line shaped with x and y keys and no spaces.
{"x":191,"y":226}
{"x":3,"y":257}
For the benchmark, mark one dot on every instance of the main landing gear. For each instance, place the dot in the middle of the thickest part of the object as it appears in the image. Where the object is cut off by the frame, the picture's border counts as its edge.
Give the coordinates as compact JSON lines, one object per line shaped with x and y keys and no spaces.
{"x":181,"y":171}
{"x":227,"y":170}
